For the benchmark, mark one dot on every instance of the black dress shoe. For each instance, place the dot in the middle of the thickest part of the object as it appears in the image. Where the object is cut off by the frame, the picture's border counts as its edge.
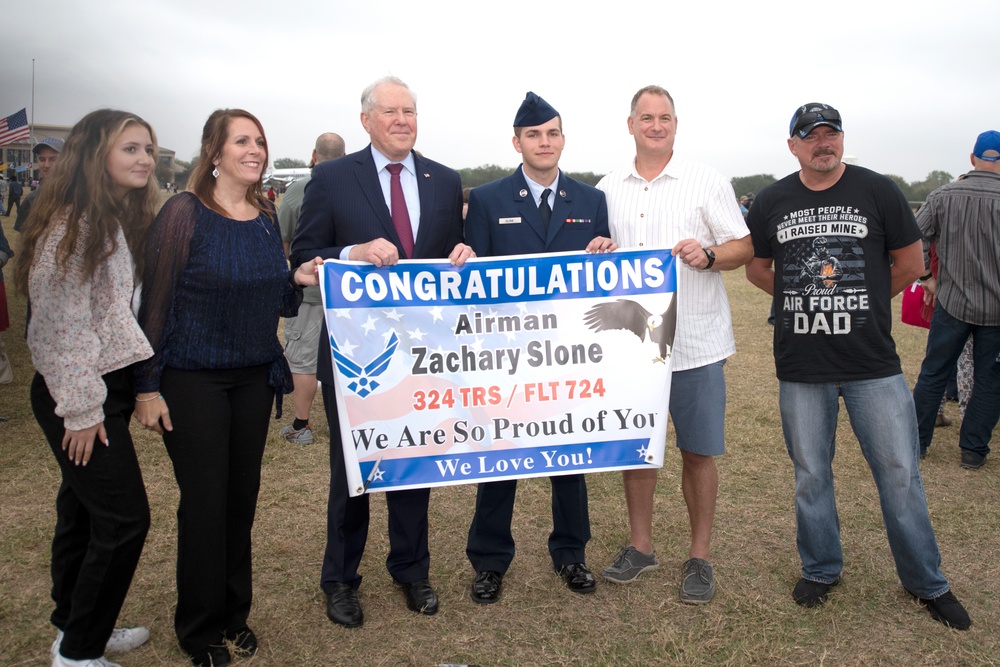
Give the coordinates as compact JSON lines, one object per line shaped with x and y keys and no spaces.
{"x":213,"y":656}
{"x":343,"y":608}
{"x":486,"y":587}
{"x":244,"y":641}
{"x":578,"y":578}
{"x":420,"y":597}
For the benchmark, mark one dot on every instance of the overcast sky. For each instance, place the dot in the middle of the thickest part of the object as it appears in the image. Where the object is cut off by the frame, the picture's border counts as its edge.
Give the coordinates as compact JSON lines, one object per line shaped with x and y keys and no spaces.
{"x":915,"y":83}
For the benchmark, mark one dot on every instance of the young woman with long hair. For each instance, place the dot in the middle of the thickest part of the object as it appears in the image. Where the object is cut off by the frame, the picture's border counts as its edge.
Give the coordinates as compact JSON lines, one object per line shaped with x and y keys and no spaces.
{"x":77,"y":265}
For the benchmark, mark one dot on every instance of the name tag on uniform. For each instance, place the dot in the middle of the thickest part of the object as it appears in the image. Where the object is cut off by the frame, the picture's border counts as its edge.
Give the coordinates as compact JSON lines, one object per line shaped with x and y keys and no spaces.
{"x":510,"y":221}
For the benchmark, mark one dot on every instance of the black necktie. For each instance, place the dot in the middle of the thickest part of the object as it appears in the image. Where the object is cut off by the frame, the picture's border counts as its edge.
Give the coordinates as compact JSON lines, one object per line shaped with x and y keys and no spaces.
{"x":544,"y":210}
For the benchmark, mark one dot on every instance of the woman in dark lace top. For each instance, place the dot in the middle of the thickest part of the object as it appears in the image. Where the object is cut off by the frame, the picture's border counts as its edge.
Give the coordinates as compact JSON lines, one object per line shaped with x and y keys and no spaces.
{"x":214,"y":285}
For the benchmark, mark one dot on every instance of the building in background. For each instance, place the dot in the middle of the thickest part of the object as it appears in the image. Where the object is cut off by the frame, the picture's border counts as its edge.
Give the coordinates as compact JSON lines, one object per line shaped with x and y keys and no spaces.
{"x":16,"y":158}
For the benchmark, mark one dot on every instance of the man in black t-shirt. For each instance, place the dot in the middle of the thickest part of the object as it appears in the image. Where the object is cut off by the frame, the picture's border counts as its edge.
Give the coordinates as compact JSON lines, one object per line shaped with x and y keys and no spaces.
{"x":823,"y":238}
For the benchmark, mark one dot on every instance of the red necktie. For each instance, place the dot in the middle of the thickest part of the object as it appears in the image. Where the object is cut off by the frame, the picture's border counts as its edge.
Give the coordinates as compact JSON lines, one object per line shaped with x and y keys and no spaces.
{"x":400,"y":216}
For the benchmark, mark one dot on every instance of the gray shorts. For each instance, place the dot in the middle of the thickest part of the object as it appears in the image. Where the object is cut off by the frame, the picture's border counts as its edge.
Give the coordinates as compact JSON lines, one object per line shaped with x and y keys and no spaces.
{"x":698,"y":409}
{"x":302,"y":338}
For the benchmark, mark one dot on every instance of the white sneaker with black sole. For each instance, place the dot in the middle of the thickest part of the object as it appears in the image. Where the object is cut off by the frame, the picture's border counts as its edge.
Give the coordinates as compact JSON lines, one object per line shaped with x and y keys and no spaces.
{"x":120,"y":641}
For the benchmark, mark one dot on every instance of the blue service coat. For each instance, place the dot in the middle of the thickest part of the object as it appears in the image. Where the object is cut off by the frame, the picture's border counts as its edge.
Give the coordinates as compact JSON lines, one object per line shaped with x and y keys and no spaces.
{"x":503,"y":218}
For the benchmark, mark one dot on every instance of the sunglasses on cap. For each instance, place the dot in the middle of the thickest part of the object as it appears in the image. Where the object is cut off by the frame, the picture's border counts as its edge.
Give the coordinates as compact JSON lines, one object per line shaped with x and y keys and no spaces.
{"x":813,"y":116}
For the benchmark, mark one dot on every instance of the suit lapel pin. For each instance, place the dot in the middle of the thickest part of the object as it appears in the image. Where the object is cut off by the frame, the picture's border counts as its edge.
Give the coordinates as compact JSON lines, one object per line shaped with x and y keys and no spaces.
{"x":426,"y":175}
{"x":562,"y":193}
{"x":523,"y":193}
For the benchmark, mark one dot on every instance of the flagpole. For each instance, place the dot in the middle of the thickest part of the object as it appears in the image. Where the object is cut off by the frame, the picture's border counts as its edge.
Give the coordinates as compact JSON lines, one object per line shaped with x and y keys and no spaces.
{"x":32,"y":100}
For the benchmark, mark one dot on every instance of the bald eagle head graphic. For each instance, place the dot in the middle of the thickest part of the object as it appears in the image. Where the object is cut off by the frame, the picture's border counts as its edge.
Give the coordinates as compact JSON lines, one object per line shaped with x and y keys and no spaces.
{"x":629,"y":315}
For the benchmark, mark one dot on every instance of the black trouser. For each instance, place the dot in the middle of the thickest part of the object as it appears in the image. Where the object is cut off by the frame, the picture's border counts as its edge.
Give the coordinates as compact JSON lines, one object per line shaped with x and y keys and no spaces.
{"x":347,"y":522}
{"x":220,"y":420}
{"x":14,"y":199}
{"x":491,"y":545}
{"x":102,"y":517}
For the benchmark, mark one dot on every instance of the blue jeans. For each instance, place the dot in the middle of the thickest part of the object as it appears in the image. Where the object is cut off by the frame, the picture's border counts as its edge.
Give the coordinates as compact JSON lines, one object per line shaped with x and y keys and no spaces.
{"x":882,"y":416}
{"x":945,"y":341}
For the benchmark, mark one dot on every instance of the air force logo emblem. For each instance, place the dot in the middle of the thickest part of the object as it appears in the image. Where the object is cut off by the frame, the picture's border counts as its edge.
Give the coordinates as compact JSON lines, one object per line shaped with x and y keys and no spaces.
{"x":363,"y":381}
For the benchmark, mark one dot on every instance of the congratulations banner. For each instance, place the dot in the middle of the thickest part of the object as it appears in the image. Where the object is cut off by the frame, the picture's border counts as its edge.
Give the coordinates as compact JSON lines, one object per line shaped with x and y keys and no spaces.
{"x":521,"y":366}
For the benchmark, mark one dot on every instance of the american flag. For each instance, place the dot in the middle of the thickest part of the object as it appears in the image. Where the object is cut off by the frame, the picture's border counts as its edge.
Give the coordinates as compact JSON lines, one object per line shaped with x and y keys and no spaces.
{"x":14,"y":128}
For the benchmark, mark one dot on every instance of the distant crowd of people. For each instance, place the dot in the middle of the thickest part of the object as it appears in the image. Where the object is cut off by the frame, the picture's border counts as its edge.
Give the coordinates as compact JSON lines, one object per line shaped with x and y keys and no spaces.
{"x":159,"y":316}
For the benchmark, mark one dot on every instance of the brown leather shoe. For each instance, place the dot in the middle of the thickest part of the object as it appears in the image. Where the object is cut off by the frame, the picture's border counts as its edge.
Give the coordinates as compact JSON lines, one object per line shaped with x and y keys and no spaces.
{"x":942,"y":420}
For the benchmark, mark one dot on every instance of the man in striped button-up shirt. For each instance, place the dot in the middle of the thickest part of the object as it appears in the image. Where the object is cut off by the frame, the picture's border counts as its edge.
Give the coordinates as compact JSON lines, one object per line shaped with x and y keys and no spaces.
{"x":659,"y":200}
{"x":964,"y":219}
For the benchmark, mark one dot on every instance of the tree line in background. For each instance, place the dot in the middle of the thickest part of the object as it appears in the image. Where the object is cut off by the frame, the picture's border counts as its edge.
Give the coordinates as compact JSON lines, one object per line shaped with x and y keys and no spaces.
{"x":475,"y":176}
{"x":916,"y":191}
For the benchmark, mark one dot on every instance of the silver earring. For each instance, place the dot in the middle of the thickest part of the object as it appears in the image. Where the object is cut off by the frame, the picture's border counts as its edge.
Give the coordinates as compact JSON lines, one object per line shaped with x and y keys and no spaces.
{"x":215,"y":173}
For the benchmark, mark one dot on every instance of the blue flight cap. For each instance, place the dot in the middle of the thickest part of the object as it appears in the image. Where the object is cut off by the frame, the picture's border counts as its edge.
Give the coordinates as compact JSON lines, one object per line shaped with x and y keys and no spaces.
{"x":534,"y":111}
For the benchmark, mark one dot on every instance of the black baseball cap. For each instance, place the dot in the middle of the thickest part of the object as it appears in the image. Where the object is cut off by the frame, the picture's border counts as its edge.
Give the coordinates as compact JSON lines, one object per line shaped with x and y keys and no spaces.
{"x":810,"y":116}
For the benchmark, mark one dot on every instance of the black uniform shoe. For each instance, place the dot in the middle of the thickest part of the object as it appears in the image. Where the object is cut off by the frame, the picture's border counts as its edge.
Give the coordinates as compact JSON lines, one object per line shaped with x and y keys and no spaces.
{"x":486,"y":587}
{"x":578,"y":578}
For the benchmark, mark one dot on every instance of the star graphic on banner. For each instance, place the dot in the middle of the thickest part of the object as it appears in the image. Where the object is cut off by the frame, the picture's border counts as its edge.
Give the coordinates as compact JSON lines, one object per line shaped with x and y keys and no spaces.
{"x":348,"y":348}
{"x":343,"y":312}
{"x":388,"y":334}
{"x":369,"y":326}
{"x":416,"y":334}
{"x":642,"y":453}
{"x":379,"y":474}
{"x":394,"y":315}
{"x":522,"y":307}
{"x":436,"y":313}
{"x":477,"y":345}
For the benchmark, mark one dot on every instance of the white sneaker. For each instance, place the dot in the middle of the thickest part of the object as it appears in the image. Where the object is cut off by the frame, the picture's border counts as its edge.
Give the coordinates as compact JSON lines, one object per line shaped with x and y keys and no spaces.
{"x":60,"y":661}
{"x":56,"y":644}
{"x":120,"y":641}
{"x":126,"y":639}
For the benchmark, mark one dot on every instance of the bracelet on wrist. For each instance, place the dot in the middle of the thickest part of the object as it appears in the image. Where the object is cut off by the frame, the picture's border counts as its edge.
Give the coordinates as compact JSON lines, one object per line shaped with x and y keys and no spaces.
{"x":147,"y":400}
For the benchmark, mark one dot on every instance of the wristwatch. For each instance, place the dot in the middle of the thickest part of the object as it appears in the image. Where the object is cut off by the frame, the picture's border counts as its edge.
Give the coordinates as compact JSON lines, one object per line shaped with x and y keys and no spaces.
{"x":711,"y":258}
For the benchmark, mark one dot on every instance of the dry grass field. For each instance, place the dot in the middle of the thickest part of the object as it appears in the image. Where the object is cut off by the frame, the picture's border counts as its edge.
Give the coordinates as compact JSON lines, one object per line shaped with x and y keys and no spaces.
{"x":869,"y":620}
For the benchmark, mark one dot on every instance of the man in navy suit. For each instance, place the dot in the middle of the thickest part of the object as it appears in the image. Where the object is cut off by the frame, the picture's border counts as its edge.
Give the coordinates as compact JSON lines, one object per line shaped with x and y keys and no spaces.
{"x":379,"y":205}
{"x":534,"y":210}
